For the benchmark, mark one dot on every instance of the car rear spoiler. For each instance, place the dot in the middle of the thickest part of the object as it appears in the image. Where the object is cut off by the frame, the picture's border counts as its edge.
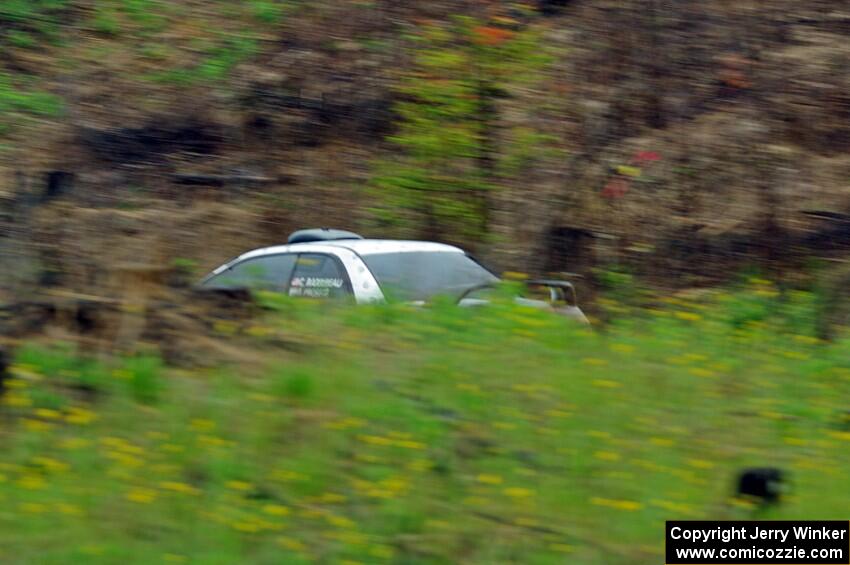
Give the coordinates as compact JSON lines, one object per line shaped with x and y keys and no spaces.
{"x":559,"y":290}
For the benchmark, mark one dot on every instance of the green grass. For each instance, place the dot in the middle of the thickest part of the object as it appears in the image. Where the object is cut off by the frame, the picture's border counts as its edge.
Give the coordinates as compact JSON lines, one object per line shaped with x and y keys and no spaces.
{"x":401,"y":435}
{"x":18,"y":102}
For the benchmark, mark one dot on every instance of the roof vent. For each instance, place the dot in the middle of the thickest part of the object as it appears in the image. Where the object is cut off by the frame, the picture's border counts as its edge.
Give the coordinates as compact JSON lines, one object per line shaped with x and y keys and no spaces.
{"x":321,"y":234}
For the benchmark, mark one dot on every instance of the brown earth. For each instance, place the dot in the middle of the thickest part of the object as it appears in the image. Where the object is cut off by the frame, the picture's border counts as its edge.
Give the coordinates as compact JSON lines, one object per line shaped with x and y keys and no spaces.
{"x":737,"y":115}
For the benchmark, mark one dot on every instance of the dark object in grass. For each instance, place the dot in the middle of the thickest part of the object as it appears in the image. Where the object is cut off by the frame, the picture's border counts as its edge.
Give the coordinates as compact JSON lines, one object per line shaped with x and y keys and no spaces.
{"x":764,"y":484}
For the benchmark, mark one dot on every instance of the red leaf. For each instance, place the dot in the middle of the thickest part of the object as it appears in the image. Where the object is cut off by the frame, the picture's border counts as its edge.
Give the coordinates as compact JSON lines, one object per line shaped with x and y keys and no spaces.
{"x":488,"y":35}
{"x":642,"y":157}
{"x":616,"y":188}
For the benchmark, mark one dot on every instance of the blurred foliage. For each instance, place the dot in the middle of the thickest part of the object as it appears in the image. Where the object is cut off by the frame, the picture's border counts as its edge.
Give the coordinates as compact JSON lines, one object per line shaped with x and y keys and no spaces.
{"x":450,"y":149}
{"x":20,"y":100}
{"x":416,"y":435}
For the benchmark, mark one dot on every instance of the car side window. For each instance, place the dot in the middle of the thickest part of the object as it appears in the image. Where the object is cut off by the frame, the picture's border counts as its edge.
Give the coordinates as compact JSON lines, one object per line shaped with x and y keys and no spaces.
{"x":319,"y":275}
{"x":271,"y":272}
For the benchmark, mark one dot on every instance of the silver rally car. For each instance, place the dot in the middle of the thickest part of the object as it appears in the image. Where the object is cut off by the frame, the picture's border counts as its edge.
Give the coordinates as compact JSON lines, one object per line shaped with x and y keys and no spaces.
{"x":327,"y":263}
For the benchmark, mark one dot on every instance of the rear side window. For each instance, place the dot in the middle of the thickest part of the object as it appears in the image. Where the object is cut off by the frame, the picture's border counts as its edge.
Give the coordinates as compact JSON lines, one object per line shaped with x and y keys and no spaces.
{"x":271,"y":272}
{"x":319,"y":276}
{"x":421,"y":275}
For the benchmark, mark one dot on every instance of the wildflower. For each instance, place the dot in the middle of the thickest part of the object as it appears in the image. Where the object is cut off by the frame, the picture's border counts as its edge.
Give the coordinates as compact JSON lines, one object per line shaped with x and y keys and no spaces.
{"x":345,"y":423}
{"x":674,"y":507}
{"x":176,"y":486}
{"x":275,"y":510}
{"x":48,"y":414}
{"x":518,"y":492}
{"x":689,"y":316}
{"x":79,"y":416}
{"x":291,"y":544}
{"x":700,"y":463}
{"x":51,"y":465}
{"x":627,"y":505}
{"x":504,"y":425}
{"x":339,"y":521}
{"x":74,"y":443}
{"x":202,"y":425}
{"x":594,"y":361}
{"x":409,"y":444}
{"x":381,"y":551}
{"x":561,"y":547}
{"x":68,"y":509}
{"x":141,"y":496}
{"x":490,"y":479}
{"x":31,"y":482}
{"x":605,"y":383}
{"x":16,"y":400}
{"x":33,"y":508}
{"x":212,"y":441}
{"x":419,"y":465}
{"x":238,"y":485}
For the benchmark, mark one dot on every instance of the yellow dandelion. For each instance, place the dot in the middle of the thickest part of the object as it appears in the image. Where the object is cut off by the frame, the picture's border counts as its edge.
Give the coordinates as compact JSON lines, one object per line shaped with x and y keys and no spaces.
{"x":339,"y":521}
{"x":31,"y":482}
{"x":68,"y":509}
{"x":33,"y":508}
{"x":179,"y":487}
{"x":79,"y":416}
{"x":661,"y":441}
{"x":381,"y":551}
{"x":504,"y":425}
{"x":141,"y":496}
{"x":247,"y":526}
{"x":275,"y":510}
{"x":605,"y":383}
{"x":410,"y":444}
{"x":202,"y":425}
{"x":627,"y":505}
{"x":238,"y":485}
{"x":291,"y":543}
{"x":490,"y":479}
{"x":688,"y":316}
{"x":561,"y":547}
{"x":594,"y":361}
{"x":16,"y":400}
{"x":48,"y":413}
{"x":518,"y":492}
{"x":50,"y":464}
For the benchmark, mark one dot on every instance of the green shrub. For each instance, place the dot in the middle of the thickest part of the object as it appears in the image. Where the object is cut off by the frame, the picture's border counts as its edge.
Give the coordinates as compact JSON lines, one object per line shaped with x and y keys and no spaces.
{"x":144,"y":374}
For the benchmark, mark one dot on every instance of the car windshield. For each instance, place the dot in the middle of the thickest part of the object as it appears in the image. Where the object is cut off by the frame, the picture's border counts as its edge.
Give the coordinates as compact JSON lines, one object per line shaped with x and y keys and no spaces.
{"x":421,"y":275}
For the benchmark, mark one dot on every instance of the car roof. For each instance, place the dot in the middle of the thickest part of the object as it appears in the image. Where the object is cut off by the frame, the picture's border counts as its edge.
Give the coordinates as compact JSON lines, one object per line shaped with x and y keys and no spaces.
{"x":362,"y":247}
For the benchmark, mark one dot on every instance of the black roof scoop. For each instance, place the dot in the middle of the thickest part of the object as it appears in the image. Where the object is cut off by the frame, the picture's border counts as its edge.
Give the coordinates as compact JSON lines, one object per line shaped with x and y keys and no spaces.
{"x":321,"y":234}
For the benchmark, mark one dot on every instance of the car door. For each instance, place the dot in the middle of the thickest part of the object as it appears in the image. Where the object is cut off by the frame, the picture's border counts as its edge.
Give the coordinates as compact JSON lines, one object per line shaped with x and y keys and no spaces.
{"x":267,"y":272}
{"x":319,"y":275}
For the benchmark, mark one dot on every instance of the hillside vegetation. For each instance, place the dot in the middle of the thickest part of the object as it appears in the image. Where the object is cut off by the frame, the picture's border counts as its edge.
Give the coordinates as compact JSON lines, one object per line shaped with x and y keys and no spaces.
{"x":389,"y":434}
{"x":554,"y":136}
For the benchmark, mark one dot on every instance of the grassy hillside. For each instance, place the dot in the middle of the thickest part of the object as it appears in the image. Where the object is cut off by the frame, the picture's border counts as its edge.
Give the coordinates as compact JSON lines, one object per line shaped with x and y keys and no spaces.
{"x":397,"y":435}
